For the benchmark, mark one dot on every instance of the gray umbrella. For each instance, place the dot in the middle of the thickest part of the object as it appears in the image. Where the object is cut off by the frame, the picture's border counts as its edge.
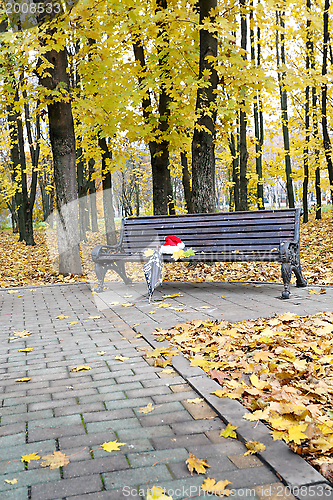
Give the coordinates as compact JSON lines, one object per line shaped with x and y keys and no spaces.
{"x":153,"y":272}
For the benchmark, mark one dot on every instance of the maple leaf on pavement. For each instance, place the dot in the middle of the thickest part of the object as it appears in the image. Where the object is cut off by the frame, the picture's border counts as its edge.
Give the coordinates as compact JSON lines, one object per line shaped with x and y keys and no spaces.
{"x":56,"y":460}
{"x":11,"y":481}
{"x":62,"y":316}
{"x":254,"y":447}
{"x":156,"y":493}
{"x":147,"y":409}
{"x":22,"y":334}
{"x":229,"y":431}
{"x":28,"y":458}
{"x":121,"y":358}
{"x":80,"y":368}
{"x":112,"y":446}
{"x":196,"y":464}
{"x":218,"y":488}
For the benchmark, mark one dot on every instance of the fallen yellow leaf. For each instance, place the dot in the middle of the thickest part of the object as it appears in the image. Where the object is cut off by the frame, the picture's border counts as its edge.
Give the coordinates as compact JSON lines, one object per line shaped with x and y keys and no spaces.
{"x":28,"y":458}
{"x":121,"y":358}
{"x":55,"y":461}
{"x":129,"y":304}
{"x":229,"y":431}
{"x":24,"y":379}
{"x":112,"y":446}
{"x":254,"y":447}
{"x":211,"y":486}
{"x":11,"y":481}
{"x":168,"y":370}
{"x":62,"y":316}
{"x":147,"y":409}
{"x":80,"y":368}
{"x":156,"y":493}
{"x":27,"y":349}
{"x":196,"y":464}
{"x":24,"y":333}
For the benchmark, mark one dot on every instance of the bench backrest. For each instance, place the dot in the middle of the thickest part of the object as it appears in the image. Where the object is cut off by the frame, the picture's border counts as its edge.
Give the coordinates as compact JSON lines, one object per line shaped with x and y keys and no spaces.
{"x":261,"y":230}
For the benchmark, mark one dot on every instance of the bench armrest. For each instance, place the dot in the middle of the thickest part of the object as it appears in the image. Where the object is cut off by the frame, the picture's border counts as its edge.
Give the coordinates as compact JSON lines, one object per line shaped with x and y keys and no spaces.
{"x":105,"y":249}
{"x":109,"y":248}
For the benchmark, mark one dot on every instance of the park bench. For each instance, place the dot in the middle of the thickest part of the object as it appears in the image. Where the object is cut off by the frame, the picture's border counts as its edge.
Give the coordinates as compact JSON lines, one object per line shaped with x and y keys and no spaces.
{"x":263,"y":235}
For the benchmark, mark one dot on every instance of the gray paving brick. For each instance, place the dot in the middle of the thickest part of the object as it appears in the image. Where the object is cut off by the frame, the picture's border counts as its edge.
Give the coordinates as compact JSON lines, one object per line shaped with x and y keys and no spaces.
{"x":6,"y":430}
{"x":114,"y":425}
{"x":124,"y":387}
{"x":118,"y":494}
{"x":152,"y":457}
{"x":66,"y":487}
{"x":102,"y":397}
{"x":127,"y":403}
{"x":12,"y":440}
{"x":162,"y":381}
{"x":198,"y":426}
{"x":16,"y":494}
{"x":96,"y":466}
{"x":137,"y":476}
{"x":9,"y":401}
{"x":71,"y":410}
{"x":147,"y":432}
{"x":188,"y":441}
{"x":150,"y":391}
{"x":45,"y":405}
{"x":108,"y":415}
{"x":165,"y":418}
{"x":55,"y":432}
{"x":39,"y":476}
{"x":87,"y":440}
{"x":175,"y":396}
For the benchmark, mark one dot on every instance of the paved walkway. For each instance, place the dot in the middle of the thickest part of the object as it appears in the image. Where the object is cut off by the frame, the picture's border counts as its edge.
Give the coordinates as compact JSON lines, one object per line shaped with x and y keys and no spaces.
{"x":60,"y":410}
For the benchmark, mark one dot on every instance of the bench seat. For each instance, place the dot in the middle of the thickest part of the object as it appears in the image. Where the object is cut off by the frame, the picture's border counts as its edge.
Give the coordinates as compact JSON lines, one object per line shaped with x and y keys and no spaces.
{"x":264,"y":235}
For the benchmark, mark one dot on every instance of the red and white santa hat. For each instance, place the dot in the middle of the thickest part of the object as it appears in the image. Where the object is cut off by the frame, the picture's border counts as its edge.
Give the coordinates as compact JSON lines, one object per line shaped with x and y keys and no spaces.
{"x":172,"y":244}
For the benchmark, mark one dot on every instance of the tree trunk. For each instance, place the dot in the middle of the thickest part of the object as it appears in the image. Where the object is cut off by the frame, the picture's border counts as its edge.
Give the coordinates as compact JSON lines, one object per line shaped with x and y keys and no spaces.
{"x":235,"y":170}
{"x":34,"y":154}
{"x":62,"y":139}
{"x":243,"y":153}
{"x":186,"y":180}
{"x":284,"y":107}
{"x":159,"y":150}
{"x":257,"y":116}
{"x":316,"y":138}
{"x":13,"y":119}
{"x":82,"y":195}
{"x":203,"y":149}
{"x":92,"y":197}
{"x":110,"y":228}
{"x":326,"y":137}
{"x":171,"y":201}
{"x":307,"y":121}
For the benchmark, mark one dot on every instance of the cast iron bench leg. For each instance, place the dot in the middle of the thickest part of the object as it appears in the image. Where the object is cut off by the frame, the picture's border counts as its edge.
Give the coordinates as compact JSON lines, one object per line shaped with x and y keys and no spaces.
{"x":286,"y":276}
{"x":100,"y":273}
{"x":119,"y":267}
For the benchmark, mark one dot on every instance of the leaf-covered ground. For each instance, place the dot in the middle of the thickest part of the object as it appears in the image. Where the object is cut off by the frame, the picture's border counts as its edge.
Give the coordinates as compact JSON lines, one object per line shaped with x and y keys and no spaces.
{"x":24,"y":265}
{"x":280,"y":368}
